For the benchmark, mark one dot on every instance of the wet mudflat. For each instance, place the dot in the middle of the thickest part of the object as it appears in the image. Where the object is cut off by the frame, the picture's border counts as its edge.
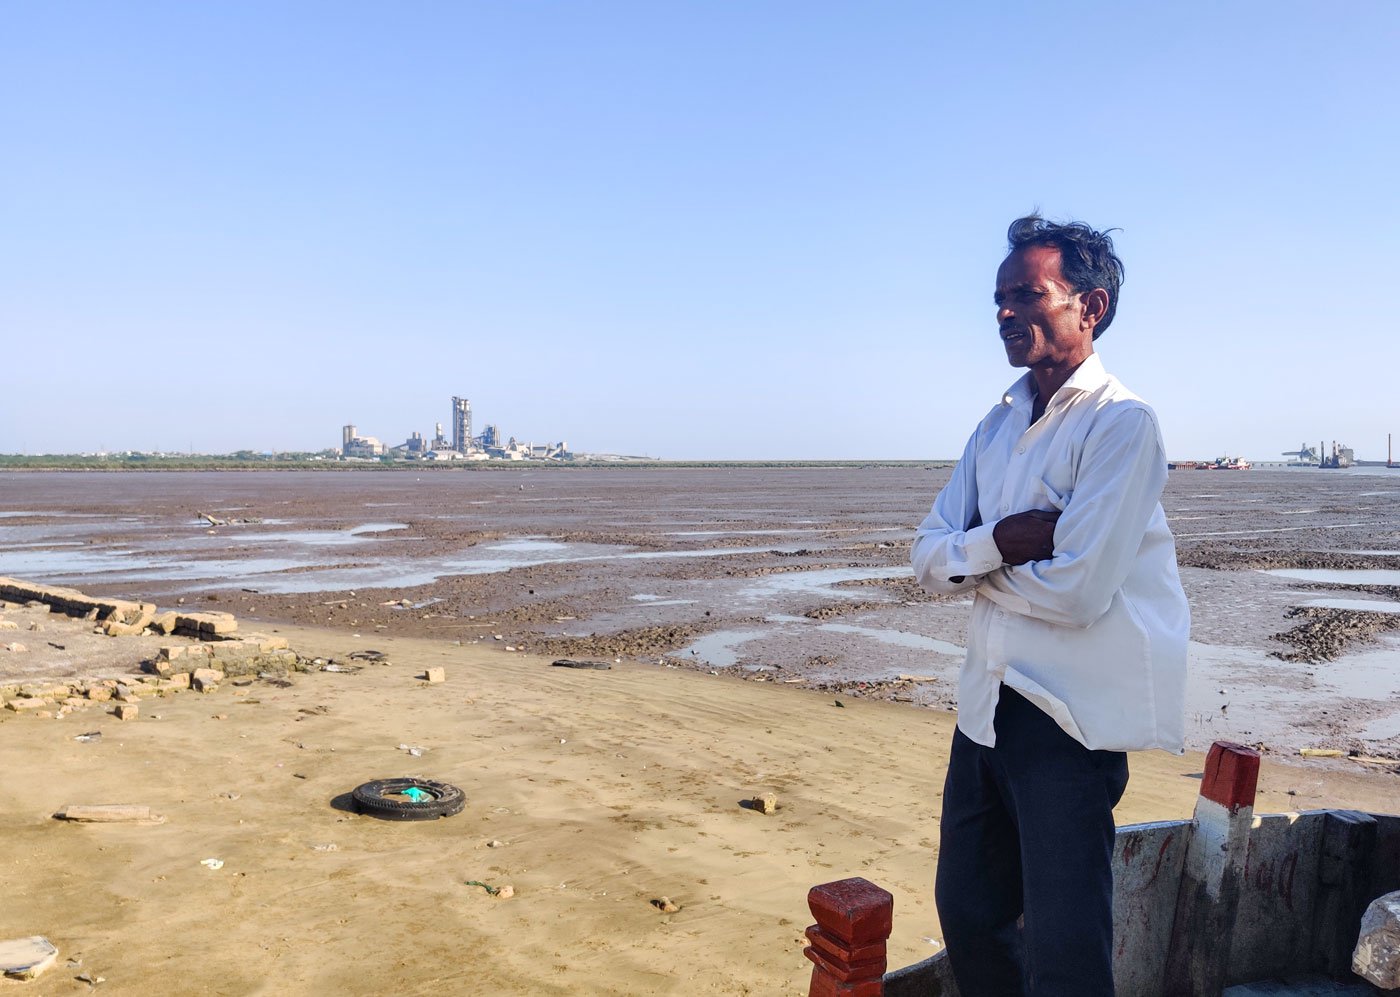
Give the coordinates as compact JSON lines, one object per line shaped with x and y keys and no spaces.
{"x":778,"y":574}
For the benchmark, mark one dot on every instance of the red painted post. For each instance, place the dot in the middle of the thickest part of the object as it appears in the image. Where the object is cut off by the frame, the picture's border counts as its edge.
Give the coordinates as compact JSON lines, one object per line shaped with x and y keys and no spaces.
{"x":854,"y":918}
{"x":1213,"y":873}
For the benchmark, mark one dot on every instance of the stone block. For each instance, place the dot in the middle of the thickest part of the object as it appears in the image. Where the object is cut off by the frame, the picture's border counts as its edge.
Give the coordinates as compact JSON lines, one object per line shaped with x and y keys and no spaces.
{"x":165,"y":623}
{"x":27,"y":705}
{"x":8,"y":625}
{"x":99,"y":693}
{"x":206,"y":679}
{"x":266,"y":643}
{"x":1377,"y":956}
{"x":766,"y":804}
{"x":434,"y":675}
{"x":127,"y":711}
{"x":158,"y":667}
{"x":179,"y":680}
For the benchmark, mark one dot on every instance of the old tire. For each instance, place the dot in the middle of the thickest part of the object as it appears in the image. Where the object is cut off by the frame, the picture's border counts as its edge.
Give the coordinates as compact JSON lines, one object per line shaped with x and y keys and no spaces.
{"x":382,"y":798}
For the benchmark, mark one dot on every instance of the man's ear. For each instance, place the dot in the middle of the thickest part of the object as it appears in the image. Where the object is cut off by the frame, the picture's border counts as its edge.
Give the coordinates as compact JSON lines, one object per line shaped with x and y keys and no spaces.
{"x":1095,"y":306}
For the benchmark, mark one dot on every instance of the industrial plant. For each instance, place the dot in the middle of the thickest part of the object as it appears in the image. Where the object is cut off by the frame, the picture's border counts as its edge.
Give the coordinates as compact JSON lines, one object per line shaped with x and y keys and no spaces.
{"x":461,"y":446}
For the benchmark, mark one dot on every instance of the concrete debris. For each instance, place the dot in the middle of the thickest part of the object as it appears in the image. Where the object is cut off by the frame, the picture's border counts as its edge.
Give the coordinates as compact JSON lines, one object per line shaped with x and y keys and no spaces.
{"x":765,"y":804}
{"x":666,"y":905}
{"x":434,"y":675}
{"x":127,"y":711}
{"x":1377,"y":956}
{"x":109,"y":813}
{"x":26,"y":958}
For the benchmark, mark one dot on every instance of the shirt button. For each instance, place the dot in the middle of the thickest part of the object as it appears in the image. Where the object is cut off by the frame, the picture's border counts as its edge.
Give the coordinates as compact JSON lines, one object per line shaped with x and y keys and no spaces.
{"x":1005,"y":506}
{"x":1020,"y":449}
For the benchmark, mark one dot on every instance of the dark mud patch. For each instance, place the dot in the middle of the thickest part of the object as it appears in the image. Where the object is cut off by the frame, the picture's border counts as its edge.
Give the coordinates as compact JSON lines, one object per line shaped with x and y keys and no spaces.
{"x":1233,"y":558}
{"x":1326,"y":633}
{"x":643,"y":642}
{"x":838,"y":609}
{"x":903,"y":588}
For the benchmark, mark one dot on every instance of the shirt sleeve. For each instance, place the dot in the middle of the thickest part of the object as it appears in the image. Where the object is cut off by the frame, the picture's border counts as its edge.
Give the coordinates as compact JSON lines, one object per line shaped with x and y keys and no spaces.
{"x":953,"y":549}
{"x":1122,"y":472}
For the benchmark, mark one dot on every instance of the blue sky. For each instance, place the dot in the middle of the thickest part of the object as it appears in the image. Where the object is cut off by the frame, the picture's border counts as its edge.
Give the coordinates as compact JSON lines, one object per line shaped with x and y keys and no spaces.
{"x":692,"y":230}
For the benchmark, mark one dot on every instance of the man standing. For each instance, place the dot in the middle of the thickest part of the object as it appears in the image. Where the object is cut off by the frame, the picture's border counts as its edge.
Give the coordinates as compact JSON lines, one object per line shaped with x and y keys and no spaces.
{"x":1076,"y":649}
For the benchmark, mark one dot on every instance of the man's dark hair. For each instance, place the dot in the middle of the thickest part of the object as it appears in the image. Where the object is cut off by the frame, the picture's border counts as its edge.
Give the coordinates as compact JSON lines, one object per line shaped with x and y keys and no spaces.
{"x":1086,"y":256}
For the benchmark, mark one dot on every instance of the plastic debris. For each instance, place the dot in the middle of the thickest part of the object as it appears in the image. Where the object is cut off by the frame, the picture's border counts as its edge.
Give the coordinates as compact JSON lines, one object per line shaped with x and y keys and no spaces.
{"x":212,"y":863}
{"x":89,"y":737}
{"x":413,"y":749}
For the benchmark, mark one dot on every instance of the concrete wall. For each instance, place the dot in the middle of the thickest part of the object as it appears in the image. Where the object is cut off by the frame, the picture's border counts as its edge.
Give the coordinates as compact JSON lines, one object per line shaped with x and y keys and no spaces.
{"x":1277,"y":928}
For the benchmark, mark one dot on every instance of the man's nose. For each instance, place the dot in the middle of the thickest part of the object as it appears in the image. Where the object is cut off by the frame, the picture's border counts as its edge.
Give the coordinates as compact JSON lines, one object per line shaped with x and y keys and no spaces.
{"x":1004,"y":312}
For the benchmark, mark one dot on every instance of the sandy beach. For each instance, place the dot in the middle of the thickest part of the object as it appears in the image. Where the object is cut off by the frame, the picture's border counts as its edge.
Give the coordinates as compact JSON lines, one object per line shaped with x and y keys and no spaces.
{"x":602,"y":790}
{"x":605,"y":790}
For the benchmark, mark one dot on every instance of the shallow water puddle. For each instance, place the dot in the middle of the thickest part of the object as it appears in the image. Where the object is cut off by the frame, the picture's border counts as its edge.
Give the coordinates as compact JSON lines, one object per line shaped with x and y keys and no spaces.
{"x":819,"y":581}
{"x":1342,"y":576}
{"x":1358,"y":605}
{"x":900,"y":638}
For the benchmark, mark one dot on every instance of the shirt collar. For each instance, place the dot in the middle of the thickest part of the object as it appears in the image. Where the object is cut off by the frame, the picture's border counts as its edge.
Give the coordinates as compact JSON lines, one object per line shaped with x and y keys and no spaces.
{"x":1089,"y":376}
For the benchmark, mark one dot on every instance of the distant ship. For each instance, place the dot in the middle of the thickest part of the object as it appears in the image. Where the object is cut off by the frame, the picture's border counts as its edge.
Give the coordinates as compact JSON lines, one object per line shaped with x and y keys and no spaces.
{"x":1342,"y":456}
{"x":1219,"y":464}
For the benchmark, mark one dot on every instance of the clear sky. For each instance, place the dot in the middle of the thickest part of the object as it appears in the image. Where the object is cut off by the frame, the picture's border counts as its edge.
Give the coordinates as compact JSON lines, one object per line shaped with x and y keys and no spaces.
{"x":692,"y":230}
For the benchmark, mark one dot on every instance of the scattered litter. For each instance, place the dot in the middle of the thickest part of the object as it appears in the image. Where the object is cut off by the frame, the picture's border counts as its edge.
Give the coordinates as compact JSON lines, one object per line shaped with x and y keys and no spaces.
{"x":26,"y":958}
{"x":89,"y":737}
{"x":89,"y":979}
{"x":329,"y":846}
{"x":231,"y":795}
{"x":375,"y":656}
{"x":1373,"y":760}
{"x":413,"y":749}
{"x":840,"y":704}
{"x":495,"y":891}
{"x":212,"y":863}
{"x":665,"y":905}
{"x":332,"y":666}
{"x":1321,"y":752}
{"x":493,"y":843}
{"x":918,"y":678}
{"x":571,"y":663}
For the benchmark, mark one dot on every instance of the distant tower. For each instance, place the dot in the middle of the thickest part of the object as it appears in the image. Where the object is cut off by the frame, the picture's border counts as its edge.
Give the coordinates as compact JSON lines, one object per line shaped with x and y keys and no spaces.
{"x":461,"y":424}
{"x":347,"y":433}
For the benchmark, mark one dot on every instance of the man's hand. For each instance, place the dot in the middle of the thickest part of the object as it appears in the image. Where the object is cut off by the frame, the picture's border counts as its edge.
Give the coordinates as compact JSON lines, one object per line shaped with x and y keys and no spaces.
{"x":1026,"y":536}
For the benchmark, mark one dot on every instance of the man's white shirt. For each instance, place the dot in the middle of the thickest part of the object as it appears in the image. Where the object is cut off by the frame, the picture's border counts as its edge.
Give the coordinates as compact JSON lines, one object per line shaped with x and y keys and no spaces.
{"x":1096,"y":636}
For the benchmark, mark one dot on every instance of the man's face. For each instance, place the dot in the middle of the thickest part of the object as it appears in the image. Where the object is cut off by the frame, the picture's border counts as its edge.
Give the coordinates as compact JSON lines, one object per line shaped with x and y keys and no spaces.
{"x":1039,"y":316}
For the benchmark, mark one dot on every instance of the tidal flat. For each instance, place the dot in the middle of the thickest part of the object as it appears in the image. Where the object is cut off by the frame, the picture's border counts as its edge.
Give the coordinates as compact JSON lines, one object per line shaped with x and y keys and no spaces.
{"x":788,"y":574}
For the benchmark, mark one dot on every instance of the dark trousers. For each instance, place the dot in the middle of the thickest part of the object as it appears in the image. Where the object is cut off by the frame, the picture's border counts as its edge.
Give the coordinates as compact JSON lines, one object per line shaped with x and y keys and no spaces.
{"x":1027,"y":829}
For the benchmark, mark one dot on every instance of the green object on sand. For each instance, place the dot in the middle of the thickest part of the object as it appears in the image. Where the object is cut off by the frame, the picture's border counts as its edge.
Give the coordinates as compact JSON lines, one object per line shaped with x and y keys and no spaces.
{"x":493,"y":890}
{"x":417,"y":795}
